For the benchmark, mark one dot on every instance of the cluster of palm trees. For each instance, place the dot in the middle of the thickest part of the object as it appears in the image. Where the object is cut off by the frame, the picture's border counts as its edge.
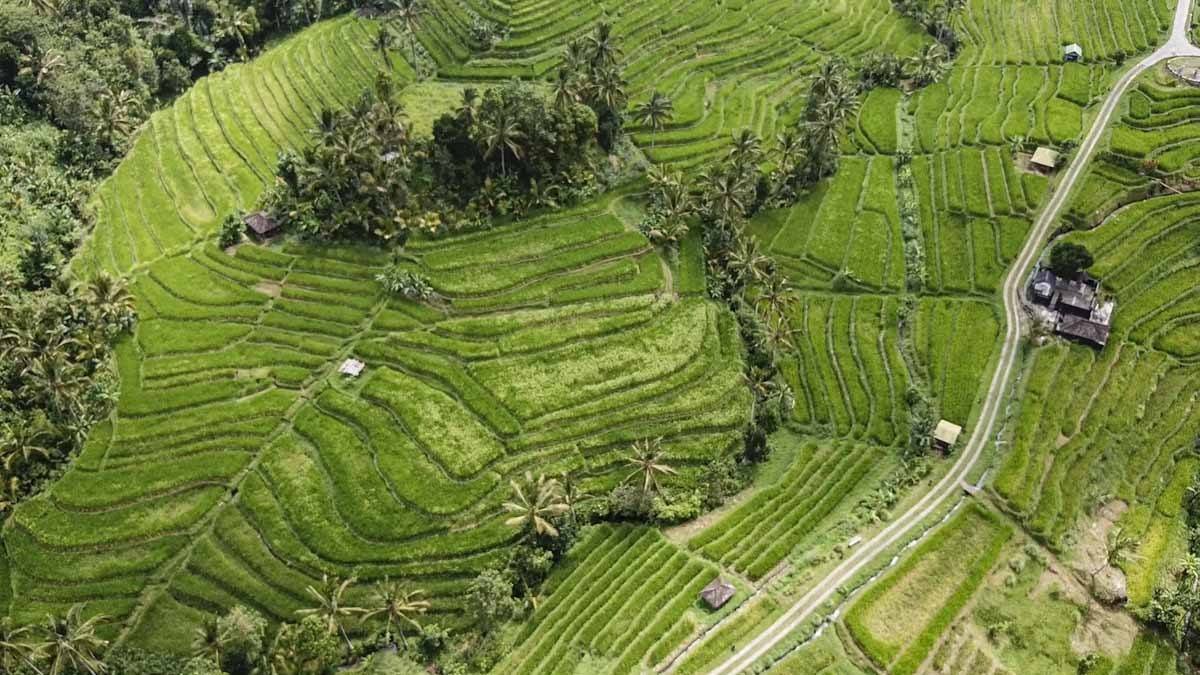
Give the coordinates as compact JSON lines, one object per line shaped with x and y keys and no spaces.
{"x":937,"y":16}
{"x":67,"y":645}
{"x":536,"y":504}
{"x":53,"y":344}
{"x":390,"y":603}
{"x":591,"y":73}
{"x":356,"y":179}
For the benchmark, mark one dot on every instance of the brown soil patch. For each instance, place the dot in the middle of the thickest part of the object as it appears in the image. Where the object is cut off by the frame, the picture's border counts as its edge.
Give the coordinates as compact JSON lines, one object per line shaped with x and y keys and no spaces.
{"x":1103,"y":629}
{"x":1061,"y":441}
{"x":1092,"y":550}
{"x":269,"y":288}
{"x":232,"y":250}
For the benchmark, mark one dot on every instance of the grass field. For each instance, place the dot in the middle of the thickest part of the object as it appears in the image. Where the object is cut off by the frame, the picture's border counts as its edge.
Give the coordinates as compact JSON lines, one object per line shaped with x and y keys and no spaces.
{"x":899,"y":620}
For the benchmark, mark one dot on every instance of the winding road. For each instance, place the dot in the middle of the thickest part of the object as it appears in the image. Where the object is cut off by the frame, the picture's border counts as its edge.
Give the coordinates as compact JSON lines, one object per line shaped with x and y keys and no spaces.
{"x":1177,"y":44}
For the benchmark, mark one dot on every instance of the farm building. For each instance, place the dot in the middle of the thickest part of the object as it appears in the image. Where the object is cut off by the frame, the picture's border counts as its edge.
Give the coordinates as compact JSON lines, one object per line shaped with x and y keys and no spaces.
{"x":1078,"y":314}
{"x":1072,"y":53}
{"x":1044,"y":160}
{"x":260,"y":224}
{"x":717,"y":593}
{"x":352,"y":367}
{"x":945,"y":435}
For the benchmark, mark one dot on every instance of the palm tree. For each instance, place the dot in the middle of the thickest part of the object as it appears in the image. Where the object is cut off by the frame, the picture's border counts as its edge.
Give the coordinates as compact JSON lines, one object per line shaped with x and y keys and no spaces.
{"x":72,"y":644}
{"x":655,"y":113}
{"x":408,"y":13}
{"x":572,"y":494}
{"x":468,"y":106}
{"x":566,"y":89}
{"x":236,"y":23}
{"x":725,"y":196}
{"x":647,"y":460}
{"x":604,"y":49}
{"x":534,"y":504}
{"x":383,"y":42}
{"x":608,"y":87}
{"x":930,"y":64}
{"x":331,"y":604}
{"x":116,"y":113}
{"x":746,"y":149}
{"x":207,"y":643}
{"x":15,"y":647}
{"x":111,"y":299}
{"x":775,"y":295}
{"x":575,"y":55}
{"x":505,"y":136}
{"x":397,"y":606}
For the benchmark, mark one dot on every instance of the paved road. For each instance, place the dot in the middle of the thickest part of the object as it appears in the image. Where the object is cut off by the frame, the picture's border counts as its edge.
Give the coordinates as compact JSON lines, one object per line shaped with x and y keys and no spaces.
{"x":1176,"y":45}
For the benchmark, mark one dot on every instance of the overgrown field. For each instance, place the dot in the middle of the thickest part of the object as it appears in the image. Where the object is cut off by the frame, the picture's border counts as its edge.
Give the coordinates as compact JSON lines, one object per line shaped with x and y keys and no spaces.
{"x":898,"y":620}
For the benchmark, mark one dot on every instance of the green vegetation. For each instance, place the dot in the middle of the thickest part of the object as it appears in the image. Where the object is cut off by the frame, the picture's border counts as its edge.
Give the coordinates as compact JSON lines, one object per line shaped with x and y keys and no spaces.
{"x":899,"y":620}
{"x":809,"y":264}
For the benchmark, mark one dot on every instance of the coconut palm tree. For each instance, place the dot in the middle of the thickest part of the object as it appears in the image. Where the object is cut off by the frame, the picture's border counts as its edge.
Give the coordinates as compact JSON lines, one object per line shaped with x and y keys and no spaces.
{"x":607,"y":87}
{"x":725,"y":196}
{"x":111,"y":300}
{"x":655,"y":113}
{"x":746,"y":150}
{"x":648,"y":462}
{"x":468,"y":107}
{"x":16,"y":649}
{"x":603,"y":47}
{"x":408,"y":14}
{"x":397,"y":607}
{"x":503,"y":136}
{"x":929,"y":65}
{"x":116,"y":116}
{"x":331,"y":604}
{"x":20,"y":443}
{"x":575,"y":55}
{"x":534,"y":504}
{"x":207,"y":641}
{"x":383,"y":43}
{"x":572,"y":494}
{"x":72,"y":645}
{"x":566,"y":89}
{"x":232,"y":22}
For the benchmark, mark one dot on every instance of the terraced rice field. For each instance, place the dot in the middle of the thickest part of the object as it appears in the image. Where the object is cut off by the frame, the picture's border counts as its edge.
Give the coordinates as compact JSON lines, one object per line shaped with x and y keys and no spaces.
{"x":625,"y":597}
{"x":1127,"y":427}
{"x":898,"y":621}
{"x":727,"y":66}
{"x":239,"y":467}
{"x":762,"y":532}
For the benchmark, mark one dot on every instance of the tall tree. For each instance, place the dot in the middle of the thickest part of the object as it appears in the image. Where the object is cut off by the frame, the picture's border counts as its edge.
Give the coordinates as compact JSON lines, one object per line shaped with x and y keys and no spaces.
{"x":502,"y":135}
{"x":649,"y":463}
{"x":72,"y":644}
{"x":655,"y":113}
{"x":331,"y":604}
{"x":604,"y":49}
{"x":397,"y":606}
{"x":534,"y":504}
{"x":408,"y":14}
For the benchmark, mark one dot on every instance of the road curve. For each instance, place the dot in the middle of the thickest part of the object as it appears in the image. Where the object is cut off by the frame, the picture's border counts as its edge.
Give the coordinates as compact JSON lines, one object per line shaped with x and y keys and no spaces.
{"x":1177,"y":44}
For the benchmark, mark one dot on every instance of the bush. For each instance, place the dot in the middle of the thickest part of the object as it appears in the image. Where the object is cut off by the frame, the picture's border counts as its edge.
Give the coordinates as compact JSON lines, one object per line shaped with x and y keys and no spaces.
{"x":231,"y":231}
{"x":1068,"y":259}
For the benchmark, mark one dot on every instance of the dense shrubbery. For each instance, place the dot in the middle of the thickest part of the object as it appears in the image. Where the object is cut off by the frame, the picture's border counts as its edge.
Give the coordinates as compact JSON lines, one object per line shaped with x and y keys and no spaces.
{"x":54,"y":377}
{"x":506,"y":151}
